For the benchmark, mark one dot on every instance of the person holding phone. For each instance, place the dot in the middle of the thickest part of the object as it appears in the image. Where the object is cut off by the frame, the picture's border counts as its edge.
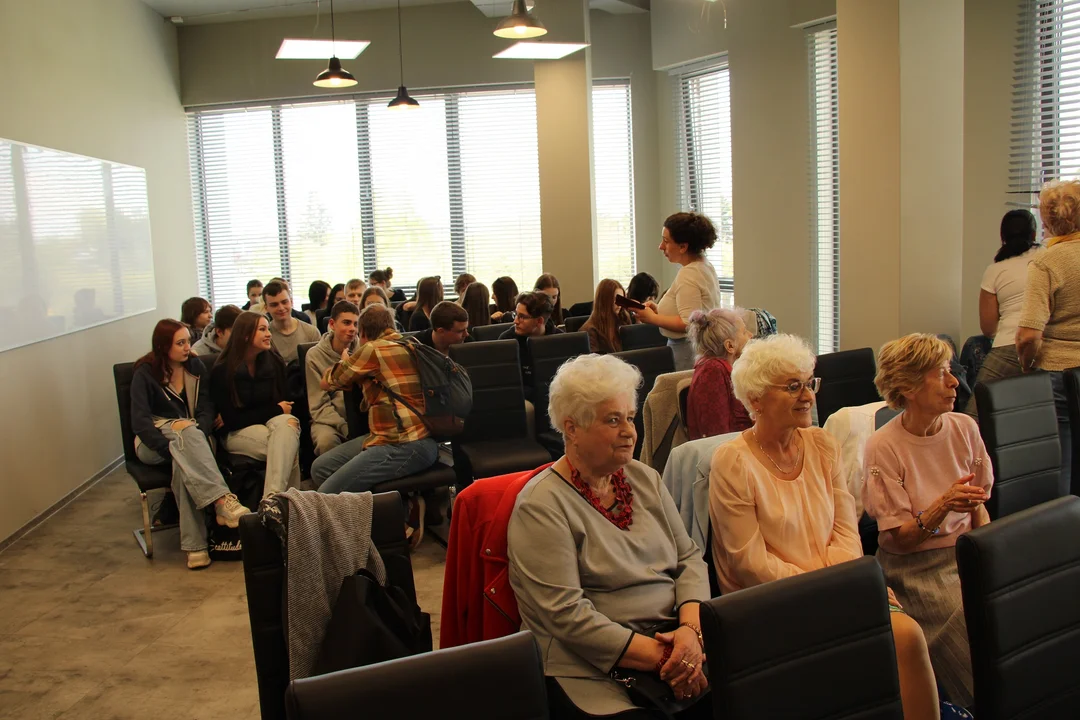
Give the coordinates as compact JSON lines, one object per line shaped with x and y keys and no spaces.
{"x":927,"y":479}
{"x":685,"y":238}
{"x":247,"y":385}
{"x":609,"y":313}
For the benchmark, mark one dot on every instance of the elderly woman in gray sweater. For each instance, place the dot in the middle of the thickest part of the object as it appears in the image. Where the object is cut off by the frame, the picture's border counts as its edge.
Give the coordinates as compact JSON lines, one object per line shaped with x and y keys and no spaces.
{"x":604,"y":572}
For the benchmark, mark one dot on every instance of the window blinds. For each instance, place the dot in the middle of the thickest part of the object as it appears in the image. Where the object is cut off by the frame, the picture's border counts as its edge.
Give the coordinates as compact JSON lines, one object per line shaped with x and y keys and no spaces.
{"x":1046,"y":102}
{"x":499,"y":176}
{"x":334,"y":190}
{"x":703,"y":121}
{"x":613,"y":177}
{"x":825,"y":186}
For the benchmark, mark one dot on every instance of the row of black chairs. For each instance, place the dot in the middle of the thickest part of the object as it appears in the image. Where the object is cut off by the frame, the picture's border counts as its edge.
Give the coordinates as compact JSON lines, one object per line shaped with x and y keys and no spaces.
{"x":818,"y":645}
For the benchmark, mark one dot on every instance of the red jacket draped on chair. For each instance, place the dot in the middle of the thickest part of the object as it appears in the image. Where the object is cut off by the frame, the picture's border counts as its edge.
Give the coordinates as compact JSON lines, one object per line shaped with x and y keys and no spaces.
{"x":478,"y":603}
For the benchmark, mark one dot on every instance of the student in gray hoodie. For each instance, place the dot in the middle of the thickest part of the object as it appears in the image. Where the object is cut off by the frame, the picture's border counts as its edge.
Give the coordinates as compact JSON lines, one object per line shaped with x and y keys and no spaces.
{"x":217,"y":333}
{"x":328,"y":427}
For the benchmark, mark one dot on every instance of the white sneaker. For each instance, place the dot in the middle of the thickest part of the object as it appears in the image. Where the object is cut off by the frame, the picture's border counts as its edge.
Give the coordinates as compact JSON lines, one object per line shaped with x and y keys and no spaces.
{"x":230,"y":511}
{"x":196,"y":560}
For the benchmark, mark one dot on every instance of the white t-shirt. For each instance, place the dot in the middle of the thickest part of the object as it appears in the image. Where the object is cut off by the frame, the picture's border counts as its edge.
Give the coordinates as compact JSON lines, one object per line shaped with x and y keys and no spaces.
{"x":1007,"y":279}
{"x":695,"y":288}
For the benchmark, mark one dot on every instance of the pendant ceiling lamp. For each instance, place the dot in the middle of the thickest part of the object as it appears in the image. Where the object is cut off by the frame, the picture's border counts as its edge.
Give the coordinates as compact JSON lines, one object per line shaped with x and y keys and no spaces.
{"x":520,"y":24}
{"x":334,"y":76}
{"x":402,"y":100}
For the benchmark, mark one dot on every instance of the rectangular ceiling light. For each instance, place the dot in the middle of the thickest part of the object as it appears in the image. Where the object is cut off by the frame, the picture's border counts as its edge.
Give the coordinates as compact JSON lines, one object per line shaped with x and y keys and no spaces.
{"x":307,"y":49}
{"x":539,"y":50}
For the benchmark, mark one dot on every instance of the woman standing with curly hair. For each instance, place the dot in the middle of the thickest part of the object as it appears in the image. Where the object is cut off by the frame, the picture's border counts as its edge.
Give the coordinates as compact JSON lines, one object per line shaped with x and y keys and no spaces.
{"x":685,"y":239}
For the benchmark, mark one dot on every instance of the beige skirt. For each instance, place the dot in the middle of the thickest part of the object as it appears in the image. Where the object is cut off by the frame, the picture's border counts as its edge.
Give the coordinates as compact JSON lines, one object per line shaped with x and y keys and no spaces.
{"x":927,"y":584}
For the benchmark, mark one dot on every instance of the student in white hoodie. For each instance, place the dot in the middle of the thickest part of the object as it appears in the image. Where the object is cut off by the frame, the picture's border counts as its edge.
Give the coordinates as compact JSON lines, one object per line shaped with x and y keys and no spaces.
{"x":217,"y":333}
{"x":328,"y":426}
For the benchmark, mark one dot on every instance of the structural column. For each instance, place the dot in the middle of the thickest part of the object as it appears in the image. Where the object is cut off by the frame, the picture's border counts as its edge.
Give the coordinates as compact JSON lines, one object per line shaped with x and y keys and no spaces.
{"x":564,"y":137}
{"x":901,"y":76}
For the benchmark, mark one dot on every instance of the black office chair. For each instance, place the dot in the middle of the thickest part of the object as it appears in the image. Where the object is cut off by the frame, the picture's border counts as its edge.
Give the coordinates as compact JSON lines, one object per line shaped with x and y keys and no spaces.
{"x":651,"y":362}
{"x":322,"y":320}
{"x":501,"y":678}
{"x":302,"y":411}
{"x":549,"y":352}
{"x":581,"y":309}
{"x":495,"y":440}
{"x":264,"y":578}
{"x":847,"y":380}
{"x":1072,"y":391}
{"x":1019,"y":427}
{"x":573,"y":323}
{"x":776,"y":650}
{"x":487,"y":333}
{"x":148,"y":478}
{"x":640,"y":336}
{"x":1020,"y":578}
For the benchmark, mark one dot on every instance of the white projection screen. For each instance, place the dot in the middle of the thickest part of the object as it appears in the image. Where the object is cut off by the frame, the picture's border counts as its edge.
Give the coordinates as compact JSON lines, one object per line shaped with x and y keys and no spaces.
{"x":75,"y":247}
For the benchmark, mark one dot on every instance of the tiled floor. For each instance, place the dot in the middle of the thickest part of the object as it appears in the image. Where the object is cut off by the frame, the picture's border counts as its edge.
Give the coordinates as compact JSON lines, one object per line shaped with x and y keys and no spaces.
{"x":89,"y":628}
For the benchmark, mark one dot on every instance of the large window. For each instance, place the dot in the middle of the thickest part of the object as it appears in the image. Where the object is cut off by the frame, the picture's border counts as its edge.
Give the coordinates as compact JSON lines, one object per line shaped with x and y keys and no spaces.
{"x":825,"y":187}
{"x":1046,"y":108}
{"x":703,"y":117}
{"x":335,"y":189}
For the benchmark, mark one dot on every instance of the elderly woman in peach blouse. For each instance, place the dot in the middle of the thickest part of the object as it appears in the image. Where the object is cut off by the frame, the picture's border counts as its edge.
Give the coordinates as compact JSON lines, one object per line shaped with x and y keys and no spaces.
{"x":778,"y":505}
{"x":927,"y":477}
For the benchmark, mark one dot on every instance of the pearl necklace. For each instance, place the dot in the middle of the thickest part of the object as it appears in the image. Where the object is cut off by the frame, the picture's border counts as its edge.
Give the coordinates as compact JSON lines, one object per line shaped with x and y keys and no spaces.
{"x":798,"y":458}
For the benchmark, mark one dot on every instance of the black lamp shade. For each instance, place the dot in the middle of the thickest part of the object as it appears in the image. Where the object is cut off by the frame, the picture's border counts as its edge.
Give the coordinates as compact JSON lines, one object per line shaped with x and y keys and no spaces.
{"x":403,"y":100}
{"x":334,"y":76}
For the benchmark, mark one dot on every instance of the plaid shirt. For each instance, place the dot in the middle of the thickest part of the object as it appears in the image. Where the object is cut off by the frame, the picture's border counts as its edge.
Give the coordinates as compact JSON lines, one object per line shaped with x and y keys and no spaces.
{"x":384,"y":362}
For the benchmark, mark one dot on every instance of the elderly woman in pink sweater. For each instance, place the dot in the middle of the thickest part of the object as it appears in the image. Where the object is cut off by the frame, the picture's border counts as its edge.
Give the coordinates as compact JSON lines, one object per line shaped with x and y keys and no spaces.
{"x":927,"y":479}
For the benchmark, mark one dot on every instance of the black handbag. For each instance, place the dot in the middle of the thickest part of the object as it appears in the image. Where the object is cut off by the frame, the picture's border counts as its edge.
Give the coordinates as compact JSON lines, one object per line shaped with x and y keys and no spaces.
{"x":647,"y":690}
{"x":371,"y":624}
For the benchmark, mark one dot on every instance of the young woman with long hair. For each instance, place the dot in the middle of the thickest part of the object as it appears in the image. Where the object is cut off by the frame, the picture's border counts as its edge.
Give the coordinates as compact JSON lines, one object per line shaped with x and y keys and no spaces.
{"x":549,"y":285}
{"x":477,"y":301}
{"x":606,"y":318}
{"x":248,"y":388}
{"x":429,"y":293}
{"x":504,"y":291}
{"x":173,"y":418}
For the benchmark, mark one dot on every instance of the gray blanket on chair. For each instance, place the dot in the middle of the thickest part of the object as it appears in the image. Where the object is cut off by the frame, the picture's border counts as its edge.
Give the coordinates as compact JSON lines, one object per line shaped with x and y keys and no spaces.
{"x":328,"y":539}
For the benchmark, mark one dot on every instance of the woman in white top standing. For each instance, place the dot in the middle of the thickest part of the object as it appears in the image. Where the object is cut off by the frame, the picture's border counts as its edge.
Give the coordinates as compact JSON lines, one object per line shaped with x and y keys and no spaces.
{"x":686,"y":237}
{"x":1002,"y":296}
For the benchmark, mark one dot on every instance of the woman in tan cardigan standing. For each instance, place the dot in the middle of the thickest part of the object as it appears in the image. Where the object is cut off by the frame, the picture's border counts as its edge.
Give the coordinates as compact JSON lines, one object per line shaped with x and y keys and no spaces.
{"x":1048,"y":337}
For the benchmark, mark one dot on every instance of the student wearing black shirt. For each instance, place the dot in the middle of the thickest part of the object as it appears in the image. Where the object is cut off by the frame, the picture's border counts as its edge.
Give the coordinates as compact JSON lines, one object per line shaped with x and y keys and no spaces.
{"x":532,"y":318}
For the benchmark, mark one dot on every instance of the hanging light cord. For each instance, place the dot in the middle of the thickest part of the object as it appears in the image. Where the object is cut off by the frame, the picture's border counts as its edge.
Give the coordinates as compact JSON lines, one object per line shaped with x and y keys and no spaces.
{"x":400,"y":49}
{"x":333,"y":34}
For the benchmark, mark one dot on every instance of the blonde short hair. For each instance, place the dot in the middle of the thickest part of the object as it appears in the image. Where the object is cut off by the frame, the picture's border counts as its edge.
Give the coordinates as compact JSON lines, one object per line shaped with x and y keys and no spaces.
{"x":765,"y":360}
{"x":1059,"y":206}
{"x":902,"y":365}
{"x":586,"y":381}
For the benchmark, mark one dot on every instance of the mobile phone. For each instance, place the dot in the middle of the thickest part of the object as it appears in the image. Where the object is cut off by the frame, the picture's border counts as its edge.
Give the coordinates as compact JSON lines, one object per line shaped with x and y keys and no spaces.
{"x":623,"y":301}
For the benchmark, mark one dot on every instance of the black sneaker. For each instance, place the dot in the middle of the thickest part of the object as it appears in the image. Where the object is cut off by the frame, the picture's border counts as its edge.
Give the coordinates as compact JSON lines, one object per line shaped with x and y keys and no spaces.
{"x":166,"y":512}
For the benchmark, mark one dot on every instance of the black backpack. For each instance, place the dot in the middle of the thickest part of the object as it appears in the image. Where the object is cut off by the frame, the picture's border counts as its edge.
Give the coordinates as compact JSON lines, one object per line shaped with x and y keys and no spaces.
{"x":447,"y":390}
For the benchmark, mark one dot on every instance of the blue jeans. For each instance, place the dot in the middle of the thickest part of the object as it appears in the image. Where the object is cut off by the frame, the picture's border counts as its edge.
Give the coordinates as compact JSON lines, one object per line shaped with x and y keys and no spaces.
{"x":1061,"y":404}
{"x":351,"y":468}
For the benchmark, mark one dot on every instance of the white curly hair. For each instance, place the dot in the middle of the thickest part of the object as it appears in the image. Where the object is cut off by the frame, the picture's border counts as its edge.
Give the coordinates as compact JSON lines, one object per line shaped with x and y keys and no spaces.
{"x":768,"y":361}
{"x":582,"y":383}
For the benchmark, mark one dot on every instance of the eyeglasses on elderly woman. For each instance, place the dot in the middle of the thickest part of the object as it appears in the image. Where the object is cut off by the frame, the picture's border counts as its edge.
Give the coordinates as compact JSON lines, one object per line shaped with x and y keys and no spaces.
{"x":795,"y":387}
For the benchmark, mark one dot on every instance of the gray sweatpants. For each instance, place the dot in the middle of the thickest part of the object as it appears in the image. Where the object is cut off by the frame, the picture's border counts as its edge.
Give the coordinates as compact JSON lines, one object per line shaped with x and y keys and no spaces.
{"x":277,"y":443}
{"x":196,"y":480}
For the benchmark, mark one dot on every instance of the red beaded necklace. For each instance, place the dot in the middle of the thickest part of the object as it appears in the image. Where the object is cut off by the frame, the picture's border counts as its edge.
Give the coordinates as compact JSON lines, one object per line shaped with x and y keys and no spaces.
{"x":624,"y":497}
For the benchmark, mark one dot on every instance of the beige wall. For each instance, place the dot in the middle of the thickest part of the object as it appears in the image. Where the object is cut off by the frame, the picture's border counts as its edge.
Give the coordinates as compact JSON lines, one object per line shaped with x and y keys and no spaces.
{"x":770,"y":142}
{"x":989,"y":36}
{"x":445,"y":45}
{"x":98,"y":79}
